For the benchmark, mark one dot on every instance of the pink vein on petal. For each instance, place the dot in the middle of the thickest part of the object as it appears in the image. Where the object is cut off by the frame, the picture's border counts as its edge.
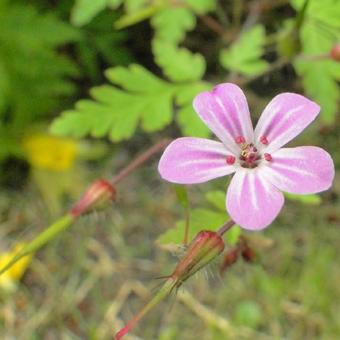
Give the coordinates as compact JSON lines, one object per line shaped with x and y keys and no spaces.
{"x":301,"y":170}
{"x":252,"y":201}
{"x":191,"y":160}
{"x":286,"y":116}
{"x":225,"y":111}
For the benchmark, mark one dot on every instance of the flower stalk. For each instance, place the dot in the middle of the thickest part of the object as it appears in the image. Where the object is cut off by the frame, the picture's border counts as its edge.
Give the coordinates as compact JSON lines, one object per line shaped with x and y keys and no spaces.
{"x":164,"y":291}
{"x":204,"y":248}
{"x":96,"y":196}
{"x":48,"y":234}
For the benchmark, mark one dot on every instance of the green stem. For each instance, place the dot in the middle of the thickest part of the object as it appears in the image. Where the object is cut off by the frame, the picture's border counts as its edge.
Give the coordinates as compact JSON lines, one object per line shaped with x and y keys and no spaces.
{"x":161,"y":294}
{"x":134,"y":18}
{"x":43,"y":238}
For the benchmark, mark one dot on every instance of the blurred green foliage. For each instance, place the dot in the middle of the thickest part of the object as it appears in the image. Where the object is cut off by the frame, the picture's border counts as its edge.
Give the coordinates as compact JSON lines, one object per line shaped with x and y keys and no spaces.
{"x":33,"y":74}
{"x":41,"y":56}
{"x":319,"y":32}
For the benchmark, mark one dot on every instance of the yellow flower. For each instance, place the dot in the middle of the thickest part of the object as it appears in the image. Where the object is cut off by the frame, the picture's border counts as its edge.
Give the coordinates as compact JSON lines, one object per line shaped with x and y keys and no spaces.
{"x":9,"y":278}
{"x":50,"y":152}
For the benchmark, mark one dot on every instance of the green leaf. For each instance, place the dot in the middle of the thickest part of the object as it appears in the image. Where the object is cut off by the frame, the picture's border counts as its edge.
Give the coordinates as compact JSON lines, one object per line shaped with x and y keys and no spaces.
{"x":217,"y":199}
{"x":327,"y":11}
{"x":233,"y":235}
{"x":100,"y":43}
{"x":182,"y":196}
{"x":187,"y":118}
{"x":187,"y":93}
{"x":171,"y":24}
{"x":318,"y":34}
{"x":305,"y":199}
{"x":136,"y":79}
{"x":84,"y":11}
{"x":179,"y":64}
{"x":139,"y":15}
{"x":201,"y":6}
{"x":202,"y":219}
{"x":35,"y":73}
{"x":244,"y":55}
{"x":134,"y":5}
{"x":143,"y":98}
{"x":190,"y":123}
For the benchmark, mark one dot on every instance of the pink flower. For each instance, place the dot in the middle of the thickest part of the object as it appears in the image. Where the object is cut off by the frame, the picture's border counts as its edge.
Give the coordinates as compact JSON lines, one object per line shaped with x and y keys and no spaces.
{"x":262,"y":167}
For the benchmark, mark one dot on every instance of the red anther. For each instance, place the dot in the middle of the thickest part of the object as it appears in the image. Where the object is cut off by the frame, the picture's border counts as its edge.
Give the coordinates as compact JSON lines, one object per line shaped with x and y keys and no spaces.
{"x":240,"y":140}
{"x":268,"y":157}
{"x":230,"y":160}
{"x":264,"y":140}
{"x":335,"y":52}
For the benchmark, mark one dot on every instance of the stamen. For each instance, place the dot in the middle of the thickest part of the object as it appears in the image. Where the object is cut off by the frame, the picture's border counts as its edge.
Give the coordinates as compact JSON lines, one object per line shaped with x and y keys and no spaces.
{"x":230,"y":160}
{"x":240,"y":140}
{"x":268,"y":157}
{"x":264,"y":140}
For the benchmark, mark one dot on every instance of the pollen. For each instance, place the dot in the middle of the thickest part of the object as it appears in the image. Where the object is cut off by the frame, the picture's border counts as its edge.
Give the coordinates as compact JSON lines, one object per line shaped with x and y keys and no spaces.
{"x":230,"y":160}
{"x":249,"y":156}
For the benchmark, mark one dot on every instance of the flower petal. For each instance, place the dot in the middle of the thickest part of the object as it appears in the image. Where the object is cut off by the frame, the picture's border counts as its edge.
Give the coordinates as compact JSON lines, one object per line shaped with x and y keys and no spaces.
{"x":287,"y":115}
{"x":252,"y":201}
{"x":225,"y":111}
{"x":301,"y":170}
{"x":190,"y":160}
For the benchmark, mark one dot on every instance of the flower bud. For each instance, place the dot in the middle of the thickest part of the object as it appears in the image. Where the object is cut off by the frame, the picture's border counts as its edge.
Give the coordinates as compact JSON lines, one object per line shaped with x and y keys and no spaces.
{"x":206,"y":246}
{"x":248,"y":254}
{"x":335,"y":52}
{"x":202,"y":249}
{"x":230,"y":258}
{"x":99,"y":193}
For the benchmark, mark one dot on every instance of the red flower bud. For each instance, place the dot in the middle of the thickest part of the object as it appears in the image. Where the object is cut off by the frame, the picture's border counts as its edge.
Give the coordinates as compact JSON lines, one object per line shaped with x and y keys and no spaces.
{"x":335,"y":52}
{"x":230,"y":258}
{"x":99,"y":193}
{"x":248,"y":254}
{"x":203,"y":249}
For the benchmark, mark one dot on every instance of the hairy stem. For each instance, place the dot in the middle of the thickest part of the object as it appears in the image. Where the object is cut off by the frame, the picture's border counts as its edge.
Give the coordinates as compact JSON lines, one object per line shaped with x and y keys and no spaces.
{"x":225,"y":227}
{"x":162,"y":293}
{"x":140,"y":159}
{"x":43,"y":238}
{"x":68,"y":219}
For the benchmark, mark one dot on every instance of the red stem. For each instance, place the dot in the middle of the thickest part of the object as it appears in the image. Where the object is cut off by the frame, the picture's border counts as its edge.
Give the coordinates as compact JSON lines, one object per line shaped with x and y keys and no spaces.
{"x":225,"y":227}
{"x":139,"y":160}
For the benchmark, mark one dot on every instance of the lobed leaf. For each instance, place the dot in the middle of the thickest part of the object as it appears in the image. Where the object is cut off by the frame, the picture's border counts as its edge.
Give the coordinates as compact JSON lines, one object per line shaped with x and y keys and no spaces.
{"x":318,"y":34}
{"x":143,"y":98}
{"x":179,"y":64}
{"x":244,"y":55}
{"x":201,"y":6}
{"x":171,"y":24}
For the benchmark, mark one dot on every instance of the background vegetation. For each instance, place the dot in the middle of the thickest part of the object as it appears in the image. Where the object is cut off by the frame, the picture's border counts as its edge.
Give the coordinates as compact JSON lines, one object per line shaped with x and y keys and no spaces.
{"x":87,"y":84}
